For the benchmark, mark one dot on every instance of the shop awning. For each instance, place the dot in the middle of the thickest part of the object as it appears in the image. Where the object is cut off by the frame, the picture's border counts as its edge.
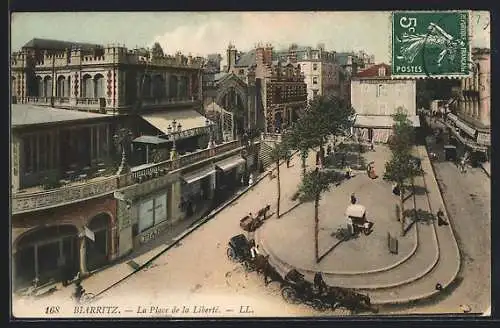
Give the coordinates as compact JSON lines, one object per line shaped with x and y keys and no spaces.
{"x":452,"y":117}
{"x":467,"y":129}
{"x":188,"y":118}
{"x":381,"y":121}
{"x":152,"y":140}
{"x":229,"y":163}
{"x":191,"y":177}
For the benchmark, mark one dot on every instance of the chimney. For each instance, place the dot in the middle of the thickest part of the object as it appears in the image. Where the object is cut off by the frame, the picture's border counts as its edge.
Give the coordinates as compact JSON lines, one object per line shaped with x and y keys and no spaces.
{"x":259,"y":55}
{"x":268,"y":54}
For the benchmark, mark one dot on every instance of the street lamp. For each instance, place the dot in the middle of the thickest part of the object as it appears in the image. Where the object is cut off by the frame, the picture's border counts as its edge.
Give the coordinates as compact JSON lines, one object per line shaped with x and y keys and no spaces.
{"x":123,"y":138}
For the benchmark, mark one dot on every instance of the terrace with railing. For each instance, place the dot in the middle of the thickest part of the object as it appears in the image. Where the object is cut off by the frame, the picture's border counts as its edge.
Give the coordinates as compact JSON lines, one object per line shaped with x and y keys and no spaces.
{"x":36,"y":198}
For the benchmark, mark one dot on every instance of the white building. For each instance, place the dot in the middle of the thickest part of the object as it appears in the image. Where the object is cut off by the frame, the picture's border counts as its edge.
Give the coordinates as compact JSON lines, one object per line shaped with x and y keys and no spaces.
{"x":375,"y":96}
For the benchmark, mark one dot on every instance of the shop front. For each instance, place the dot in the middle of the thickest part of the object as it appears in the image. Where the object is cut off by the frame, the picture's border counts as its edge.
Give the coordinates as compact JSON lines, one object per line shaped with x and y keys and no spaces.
{"x":197,"y":190}
{"x":228,"y":176}
{"x":152,"y":217}
{"x":44,"y":255}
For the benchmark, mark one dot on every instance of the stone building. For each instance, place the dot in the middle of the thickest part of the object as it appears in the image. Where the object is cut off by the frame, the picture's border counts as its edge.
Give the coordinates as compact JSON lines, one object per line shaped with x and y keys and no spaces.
{"x":263,"y":93}
{"x":106,"y":79}
{"x":375,"y":96}
{"x":319,"y":66}
{"x":470,"y":117}
{"x":109,"y":149}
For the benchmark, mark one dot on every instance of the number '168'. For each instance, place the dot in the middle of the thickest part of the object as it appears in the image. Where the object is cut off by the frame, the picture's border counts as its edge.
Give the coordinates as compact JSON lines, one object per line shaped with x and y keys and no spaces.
{"x":409,"y":23}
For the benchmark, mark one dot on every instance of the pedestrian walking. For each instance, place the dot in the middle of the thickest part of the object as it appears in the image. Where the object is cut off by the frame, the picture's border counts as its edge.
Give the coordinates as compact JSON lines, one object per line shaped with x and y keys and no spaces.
{"x":353,"y":199}
{"x":343,"y":159}
{"x":440,"y":216}
{"x":250,"y":179}
{"x":372,"y":146}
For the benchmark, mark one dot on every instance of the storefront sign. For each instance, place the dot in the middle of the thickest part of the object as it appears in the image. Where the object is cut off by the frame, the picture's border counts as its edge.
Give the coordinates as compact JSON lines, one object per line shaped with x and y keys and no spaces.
{"x":484,"y":139}
{"x":153,"y":233}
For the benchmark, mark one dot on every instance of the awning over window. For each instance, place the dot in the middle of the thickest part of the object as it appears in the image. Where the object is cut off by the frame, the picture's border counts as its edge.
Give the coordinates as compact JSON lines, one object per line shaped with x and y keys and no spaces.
{"x":152,"y":140}
{"x":188,"y":118}
{"x":381,"y":121}
{"x":229,"y":163}
{"x":467,"y":129}
{"x":198,"y":175}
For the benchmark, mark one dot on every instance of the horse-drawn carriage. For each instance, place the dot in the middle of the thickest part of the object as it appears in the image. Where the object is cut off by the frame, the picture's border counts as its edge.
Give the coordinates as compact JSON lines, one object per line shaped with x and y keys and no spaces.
{"x":356,"y":218}
{"x":250,"y":223}
{"x":238,"y":250}
{"x":295,"y":289}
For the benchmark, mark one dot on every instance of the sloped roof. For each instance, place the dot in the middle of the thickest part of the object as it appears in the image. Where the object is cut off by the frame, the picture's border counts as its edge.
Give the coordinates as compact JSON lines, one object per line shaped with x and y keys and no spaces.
{"x":246,"y":59}
{"x":58,"y":44}
{"x":373,"y":71}
{"x":23,"y":114}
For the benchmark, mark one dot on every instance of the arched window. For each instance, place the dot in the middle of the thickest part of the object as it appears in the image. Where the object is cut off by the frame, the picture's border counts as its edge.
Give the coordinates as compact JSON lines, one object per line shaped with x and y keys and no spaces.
{"x":146,"y":86}
{"x":67,"y":90}
{"x":99,"y":91}
{"x":61,"y":86}
{"x":47,"y":86}
{"x":158,"y":87}
{"x":39,"y":86}
{"x":183,"y":87}
{"x":87,"y":87}
{"x":172,"y":86}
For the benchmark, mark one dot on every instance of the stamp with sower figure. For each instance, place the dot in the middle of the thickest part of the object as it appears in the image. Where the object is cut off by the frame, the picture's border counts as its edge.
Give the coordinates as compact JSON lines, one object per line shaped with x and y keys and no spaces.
{"x":430,"y":44}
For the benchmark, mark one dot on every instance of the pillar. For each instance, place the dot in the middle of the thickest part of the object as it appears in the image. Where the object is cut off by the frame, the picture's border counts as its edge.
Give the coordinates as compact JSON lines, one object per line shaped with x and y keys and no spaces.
{"x":108,"y":151}
{"x":83,"y":254}
{"x":174,"y":201}
{"x":92,"y":157}
{"x":190,"y":86}
{"x":16,"y":162}
{"x":37,"y":146}
{"x":35,"y":249}
{"x":179,"y":84}
{"x":114,"y":241}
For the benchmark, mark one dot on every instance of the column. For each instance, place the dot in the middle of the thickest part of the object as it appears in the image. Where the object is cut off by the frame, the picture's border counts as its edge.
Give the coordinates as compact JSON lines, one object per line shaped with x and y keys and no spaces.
{"x":190,"y":86}
{"x":35,"y":249}
{"x":57,"y":143}
{"x":83,"y":254}
{"x":179,"y":84}
{"x":107,"y":141}
{"x":174,"y":201}
{"x":98,"y":150}
{"x":37,"y":146}
{"x":92,"y":157}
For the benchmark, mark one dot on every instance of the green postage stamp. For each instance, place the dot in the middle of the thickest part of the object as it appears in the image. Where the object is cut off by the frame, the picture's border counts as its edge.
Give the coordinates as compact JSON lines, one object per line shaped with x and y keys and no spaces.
{"x":430,"y":44}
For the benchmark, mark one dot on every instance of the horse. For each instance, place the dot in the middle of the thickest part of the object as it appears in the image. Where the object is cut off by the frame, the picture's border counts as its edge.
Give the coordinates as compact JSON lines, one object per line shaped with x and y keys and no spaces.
{"x":263,"y":266}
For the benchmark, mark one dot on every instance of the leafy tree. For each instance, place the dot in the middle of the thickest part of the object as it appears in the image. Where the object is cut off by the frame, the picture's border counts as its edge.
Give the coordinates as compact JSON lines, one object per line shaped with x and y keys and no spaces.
{"x":157,"y":51}
{"x":314,"y":183}
{"x":400,"y":168}
{"x":323,"y":117}
{"x":278,"y":153}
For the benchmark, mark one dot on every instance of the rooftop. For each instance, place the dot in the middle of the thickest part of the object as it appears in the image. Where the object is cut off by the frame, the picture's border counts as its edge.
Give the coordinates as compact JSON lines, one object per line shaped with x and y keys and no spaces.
{"x":373,"y":72}
{"x":24,"y":114}
{"x":48,"y":44}
{"x":246,"y":59}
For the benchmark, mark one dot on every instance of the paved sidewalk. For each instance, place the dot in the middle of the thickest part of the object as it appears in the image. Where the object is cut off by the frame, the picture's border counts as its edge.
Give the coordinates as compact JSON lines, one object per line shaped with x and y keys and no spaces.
{"x":365,"y":262}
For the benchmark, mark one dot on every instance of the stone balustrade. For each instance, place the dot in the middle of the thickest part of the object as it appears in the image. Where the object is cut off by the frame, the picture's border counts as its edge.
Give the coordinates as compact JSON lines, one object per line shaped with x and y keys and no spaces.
{"x":23,"y":201}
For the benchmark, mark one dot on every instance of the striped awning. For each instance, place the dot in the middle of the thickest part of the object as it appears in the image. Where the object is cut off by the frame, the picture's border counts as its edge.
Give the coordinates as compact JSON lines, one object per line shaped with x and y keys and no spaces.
{"x":229,"y":163}
{"x":484,"y":138}
{"x":198,"y":175}
{"x":452,"y":117}
{"x":466,"y":128}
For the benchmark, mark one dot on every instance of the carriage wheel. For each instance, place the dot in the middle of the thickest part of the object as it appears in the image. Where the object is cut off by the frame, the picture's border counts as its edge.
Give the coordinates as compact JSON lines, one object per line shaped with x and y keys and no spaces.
{"x":318,"y":305}
{"x":249,"y":267}
{"x":367,"y":231}
{"x":231,"y":254}
{"x":290,"y":295}
{"x":87,"y":298}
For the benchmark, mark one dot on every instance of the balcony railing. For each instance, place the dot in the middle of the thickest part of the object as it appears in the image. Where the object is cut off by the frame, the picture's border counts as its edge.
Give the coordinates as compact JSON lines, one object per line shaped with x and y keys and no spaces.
{"x":87,"y":101}
{"x":26,"y":201}
{"x":36,"y":100}
{"x":151,"y":101}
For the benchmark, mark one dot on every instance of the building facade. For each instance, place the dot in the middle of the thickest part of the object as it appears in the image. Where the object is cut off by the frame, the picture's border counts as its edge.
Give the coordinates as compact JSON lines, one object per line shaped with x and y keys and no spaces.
{"x":92,"y":182}
{"x":375,"y":97}
{"x":319,"y":66}
{"x":470,"y":117}
{"x":106,"y":79}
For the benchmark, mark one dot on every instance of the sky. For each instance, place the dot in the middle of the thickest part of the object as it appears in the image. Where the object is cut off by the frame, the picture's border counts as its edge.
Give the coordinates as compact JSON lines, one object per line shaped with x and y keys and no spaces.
{"x":202,"y":33}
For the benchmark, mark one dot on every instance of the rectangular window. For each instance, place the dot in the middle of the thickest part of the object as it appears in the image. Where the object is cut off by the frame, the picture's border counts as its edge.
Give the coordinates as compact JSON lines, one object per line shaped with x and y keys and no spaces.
{"x":379,"y":90}
{"x":315,"y":93}
{"x":241,"y":71}
{"x":315,"y":80}
{"x":160,"y":208}
{"x":146,"y":215}
{"x":315,"y":67}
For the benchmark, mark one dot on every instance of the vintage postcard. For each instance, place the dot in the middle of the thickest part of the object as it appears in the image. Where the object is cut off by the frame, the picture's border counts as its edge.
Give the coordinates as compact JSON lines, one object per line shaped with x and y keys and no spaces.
{"x":250,"y":164}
